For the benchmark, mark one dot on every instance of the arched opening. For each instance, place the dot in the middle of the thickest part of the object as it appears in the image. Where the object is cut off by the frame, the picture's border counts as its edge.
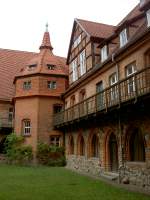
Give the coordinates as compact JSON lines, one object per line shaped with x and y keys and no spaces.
{"x":71,"y":145}
{"x":95,"y":146}
{"x":81,"y":146}
{"x":136,"y":145}
{"x":113,"y":152}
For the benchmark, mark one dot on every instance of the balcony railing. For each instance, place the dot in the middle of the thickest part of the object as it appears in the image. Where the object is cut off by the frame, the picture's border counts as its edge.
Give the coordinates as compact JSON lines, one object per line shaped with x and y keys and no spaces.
{"x":6,"y":123}
{"x":125,"y":90}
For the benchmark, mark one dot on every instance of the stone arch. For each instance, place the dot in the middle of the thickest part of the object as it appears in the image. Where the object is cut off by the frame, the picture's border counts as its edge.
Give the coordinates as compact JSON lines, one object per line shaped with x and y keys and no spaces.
{"x":134,"y":144}
{"x":94,"y":144}
{"x":80,"y":145}
{"x":111,"y":142}
{"x":70,"y":145}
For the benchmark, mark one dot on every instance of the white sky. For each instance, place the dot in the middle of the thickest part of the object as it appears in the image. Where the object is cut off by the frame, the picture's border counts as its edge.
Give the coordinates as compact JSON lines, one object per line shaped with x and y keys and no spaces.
{"x":22,"y":22}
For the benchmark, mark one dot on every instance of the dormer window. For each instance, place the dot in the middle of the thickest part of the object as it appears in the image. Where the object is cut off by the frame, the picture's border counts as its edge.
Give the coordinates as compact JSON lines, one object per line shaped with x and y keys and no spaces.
{"x":32,"y":66}
{"x":148,"y":18}
{"x":123,"y":37}
{"x":50,"y":67}
{"x":104,"y":53}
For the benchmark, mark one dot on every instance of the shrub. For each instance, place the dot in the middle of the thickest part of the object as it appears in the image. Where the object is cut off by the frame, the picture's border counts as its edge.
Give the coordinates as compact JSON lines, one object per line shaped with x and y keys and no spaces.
{"x":15,"y":151}
{"x":50,"y":155}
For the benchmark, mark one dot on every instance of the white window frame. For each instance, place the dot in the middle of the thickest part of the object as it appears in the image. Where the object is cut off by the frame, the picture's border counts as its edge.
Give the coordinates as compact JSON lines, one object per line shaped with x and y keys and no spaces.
{"x":148,"y":18}
{"x":131,"y":82}
{"x":56,"y":141}
{"x":113,"y":79}
{"x":51,"y":84}
{"x":123,"y":37}
{"x":27,"y":85}
{"x":74,"y":70}
{"x":77,"y":41}
{"x":82,"y":63}
{"x":26,"y":127}
{"x":104,"y":54}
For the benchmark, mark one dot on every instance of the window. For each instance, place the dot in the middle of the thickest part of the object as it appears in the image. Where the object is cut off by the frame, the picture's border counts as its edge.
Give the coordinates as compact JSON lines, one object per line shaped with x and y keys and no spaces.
{"x":148,"y":18}
{"x":10,"y":115}
{"x":74,"y":70}
{"x":104,"y":53}
{"x":57,"y":108}
{"x":27,"y":85}
{"x":130,"y":70}
{"x":51,"y":84}
{"x":55,"y":140}
{"x":50,"y":67}
{"x":100,"y":95}
{"x":123,"y":38}
{"x":82,"y":63}
{"x":113,"y":91}
{"x":77,"y":41}
{"x":26,"y":127}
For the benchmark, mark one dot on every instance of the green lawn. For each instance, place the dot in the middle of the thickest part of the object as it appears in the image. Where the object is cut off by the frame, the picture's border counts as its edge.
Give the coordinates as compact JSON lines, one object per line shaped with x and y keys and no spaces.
{"x":43,"y":183}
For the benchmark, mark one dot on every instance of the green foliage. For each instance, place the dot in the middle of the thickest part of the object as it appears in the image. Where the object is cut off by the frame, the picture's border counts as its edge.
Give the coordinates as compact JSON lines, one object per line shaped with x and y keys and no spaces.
{"x":15,"y":151}
{"x":51,"y":155}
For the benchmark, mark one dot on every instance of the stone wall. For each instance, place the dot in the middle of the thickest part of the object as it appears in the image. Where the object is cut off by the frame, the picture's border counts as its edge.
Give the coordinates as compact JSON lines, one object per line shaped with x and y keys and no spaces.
{"x":135,"y":173}
{"x":83,"y":164}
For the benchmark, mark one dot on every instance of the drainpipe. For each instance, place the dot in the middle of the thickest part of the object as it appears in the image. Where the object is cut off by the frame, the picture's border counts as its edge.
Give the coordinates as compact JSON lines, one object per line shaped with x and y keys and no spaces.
{"x":119,"y":119}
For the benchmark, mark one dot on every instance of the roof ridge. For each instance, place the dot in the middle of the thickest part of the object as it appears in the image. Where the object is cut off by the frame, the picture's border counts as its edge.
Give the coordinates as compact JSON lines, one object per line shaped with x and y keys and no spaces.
{"x":95,"y":22}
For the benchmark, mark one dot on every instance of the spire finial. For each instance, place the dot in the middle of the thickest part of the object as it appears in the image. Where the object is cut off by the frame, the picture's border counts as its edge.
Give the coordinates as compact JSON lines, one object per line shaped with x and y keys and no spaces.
{"x":47,"y":27}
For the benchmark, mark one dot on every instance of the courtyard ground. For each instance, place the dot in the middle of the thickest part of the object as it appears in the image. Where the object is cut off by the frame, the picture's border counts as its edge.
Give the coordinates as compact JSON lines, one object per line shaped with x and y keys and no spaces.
{"x":52,"y":183}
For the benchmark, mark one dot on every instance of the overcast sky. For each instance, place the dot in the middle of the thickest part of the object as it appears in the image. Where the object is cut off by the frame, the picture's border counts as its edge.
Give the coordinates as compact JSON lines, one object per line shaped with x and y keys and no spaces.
{"x":22,"y":22}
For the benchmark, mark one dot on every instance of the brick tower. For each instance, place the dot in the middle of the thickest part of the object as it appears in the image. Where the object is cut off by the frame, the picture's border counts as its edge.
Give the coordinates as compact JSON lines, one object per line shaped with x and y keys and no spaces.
{"x":39,"y":86}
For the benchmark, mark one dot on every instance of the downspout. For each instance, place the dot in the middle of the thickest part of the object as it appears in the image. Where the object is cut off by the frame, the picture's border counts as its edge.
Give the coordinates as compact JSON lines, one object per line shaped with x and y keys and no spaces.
{"x":119,"y":118}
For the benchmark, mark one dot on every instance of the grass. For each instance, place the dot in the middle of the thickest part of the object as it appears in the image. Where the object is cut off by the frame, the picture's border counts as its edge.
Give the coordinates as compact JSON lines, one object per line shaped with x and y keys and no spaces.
{"x":45,"y":183}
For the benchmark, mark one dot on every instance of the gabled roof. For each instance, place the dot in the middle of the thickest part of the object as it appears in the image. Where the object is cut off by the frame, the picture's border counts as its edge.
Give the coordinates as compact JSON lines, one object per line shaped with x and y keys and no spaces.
{"x":92,"y":30}
{"x":95,"y":29}
{"x":11,"y":62}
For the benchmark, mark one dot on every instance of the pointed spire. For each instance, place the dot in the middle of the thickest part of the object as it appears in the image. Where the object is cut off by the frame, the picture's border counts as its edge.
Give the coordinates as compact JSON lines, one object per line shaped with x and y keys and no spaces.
{"x":46,"y":43}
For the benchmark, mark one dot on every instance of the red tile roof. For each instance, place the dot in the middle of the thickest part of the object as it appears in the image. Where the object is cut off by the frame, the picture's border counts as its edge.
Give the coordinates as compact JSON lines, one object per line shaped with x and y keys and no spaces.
{"x":95,"y":29}
{"x":43,"y":58}
{"x":11,"y":62}
{"x":134,"y":13}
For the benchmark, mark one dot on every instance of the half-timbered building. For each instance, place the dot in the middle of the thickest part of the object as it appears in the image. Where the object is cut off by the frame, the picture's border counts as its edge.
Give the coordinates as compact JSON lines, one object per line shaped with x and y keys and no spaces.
{"x":106,"y":116}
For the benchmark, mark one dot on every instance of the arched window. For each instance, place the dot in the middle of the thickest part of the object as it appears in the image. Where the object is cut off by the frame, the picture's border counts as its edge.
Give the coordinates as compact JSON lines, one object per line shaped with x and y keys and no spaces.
{"x":71,"y":145}
{"x":137,"y":149}
{"x":95,"y":146}
{"x":81,"y":146}
{"x":26,"y":127}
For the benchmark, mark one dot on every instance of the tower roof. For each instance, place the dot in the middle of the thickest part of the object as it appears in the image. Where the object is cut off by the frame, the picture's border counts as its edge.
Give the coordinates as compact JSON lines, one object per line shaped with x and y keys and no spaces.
{"x":46,"y":43}
{"x":44,"y":60}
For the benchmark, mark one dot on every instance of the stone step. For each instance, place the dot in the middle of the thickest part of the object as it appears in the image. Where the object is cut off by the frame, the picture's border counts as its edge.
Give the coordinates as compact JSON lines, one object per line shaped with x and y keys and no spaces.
{"x":112,"y":176}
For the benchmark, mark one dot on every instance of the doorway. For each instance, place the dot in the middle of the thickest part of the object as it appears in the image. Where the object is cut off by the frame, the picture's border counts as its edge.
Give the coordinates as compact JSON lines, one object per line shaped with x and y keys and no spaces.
{"x":113,"y":153}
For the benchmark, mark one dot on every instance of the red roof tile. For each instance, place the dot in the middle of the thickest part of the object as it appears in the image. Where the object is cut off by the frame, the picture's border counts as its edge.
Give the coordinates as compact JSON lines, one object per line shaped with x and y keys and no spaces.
{"x":95,"y":29}
{"x":11,"y":62}
{"x":134,"y":13}
{"x":43,"y":58}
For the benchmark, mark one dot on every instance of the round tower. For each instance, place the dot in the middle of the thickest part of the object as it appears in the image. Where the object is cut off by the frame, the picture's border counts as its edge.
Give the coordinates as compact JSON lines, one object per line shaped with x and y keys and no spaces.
{"x":39,"y":86}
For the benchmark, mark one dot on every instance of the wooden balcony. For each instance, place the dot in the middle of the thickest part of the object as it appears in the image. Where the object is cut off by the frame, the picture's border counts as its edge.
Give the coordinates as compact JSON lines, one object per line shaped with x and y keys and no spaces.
{"x":6,"y":123}
{"x":126,"y":90}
